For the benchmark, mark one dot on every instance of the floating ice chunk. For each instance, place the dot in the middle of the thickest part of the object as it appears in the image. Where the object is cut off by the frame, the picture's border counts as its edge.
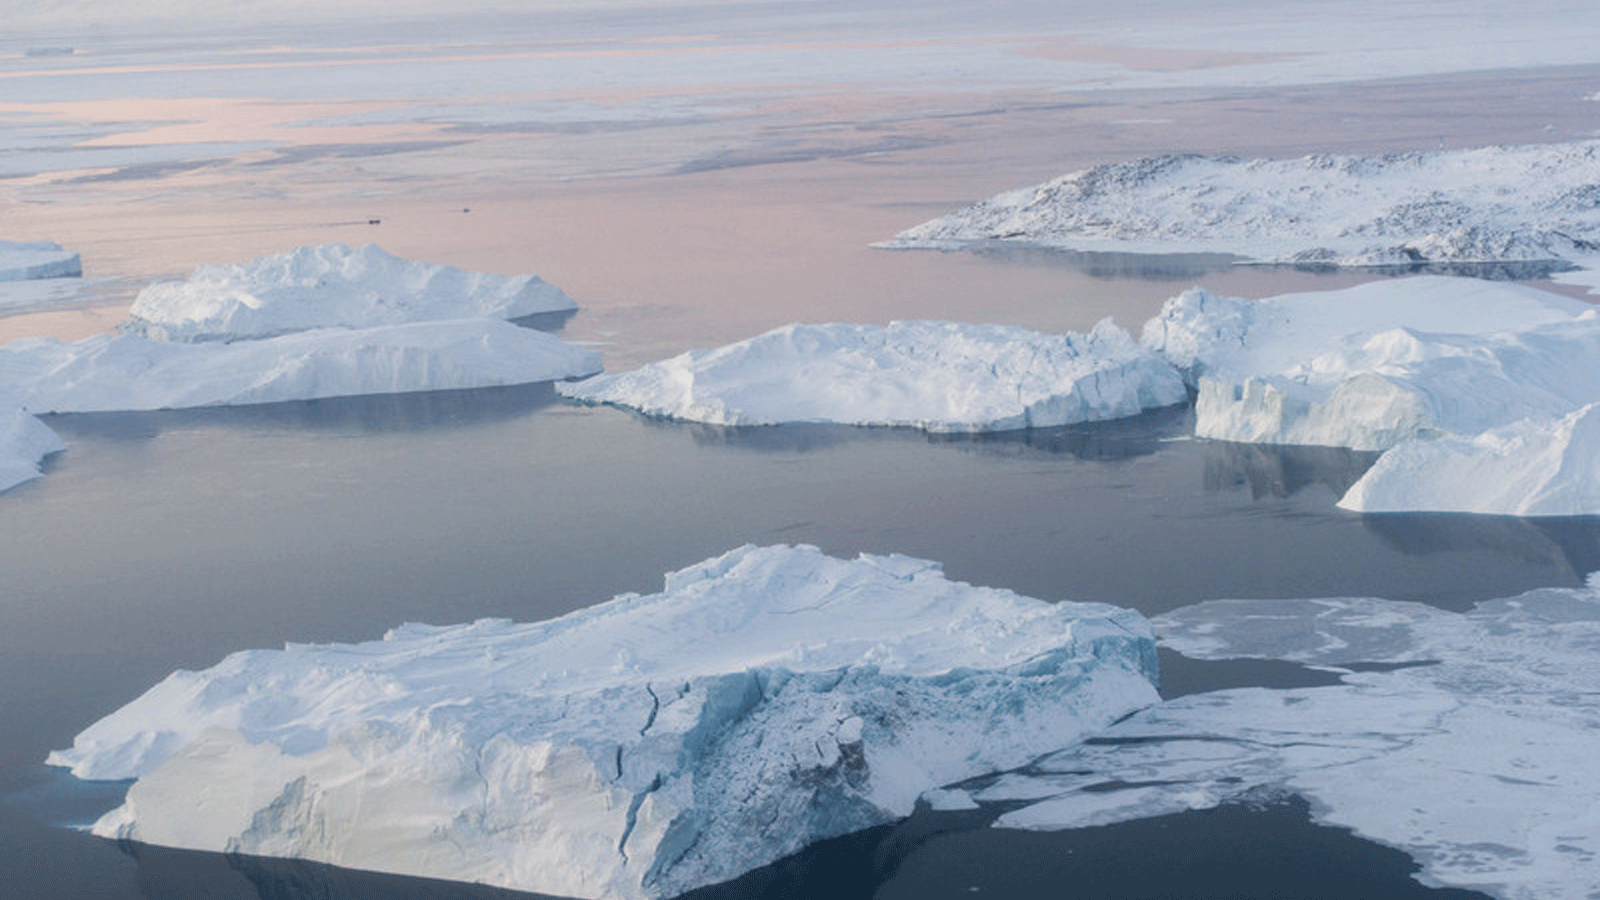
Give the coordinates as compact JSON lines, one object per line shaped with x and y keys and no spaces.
{"x":330,"y":285}
{"x":1373,"y":366}
{"x":1536,"y":467}
{"x":24,"y":442}
{"x":1470,"y":749}
{"x":130,"y":372}
{"x":1489,"y":204}
{"x":940,"y":376}
{"x":36,"y":259}
{"x":766,"y":699}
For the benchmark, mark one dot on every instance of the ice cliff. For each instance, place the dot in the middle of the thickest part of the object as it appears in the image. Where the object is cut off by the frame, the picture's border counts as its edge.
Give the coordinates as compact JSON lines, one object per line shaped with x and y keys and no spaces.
{"x":939,"y":376}
{"x":24,"y":443}
{"x":326,"y":286}
{"x":1487,"y":204}
{"x":766,"y":699}
{"x":1464,"y":739}
{"x":22,"y":261}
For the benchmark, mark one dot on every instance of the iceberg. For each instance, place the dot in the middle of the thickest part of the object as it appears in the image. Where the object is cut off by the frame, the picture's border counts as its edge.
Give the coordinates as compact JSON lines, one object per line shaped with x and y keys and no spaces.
{"x":765,"y":699}
{"x":131,"y":372}
{"x":24,"y":443}
{"x":938,"y":376}
{"x":1488,"y":204}
{"x":1374,"y":366}
{"x":1464,"y":739}
{"x":330,"y":285}
{"x":24,"y":261}
{"x":1534,"y":467}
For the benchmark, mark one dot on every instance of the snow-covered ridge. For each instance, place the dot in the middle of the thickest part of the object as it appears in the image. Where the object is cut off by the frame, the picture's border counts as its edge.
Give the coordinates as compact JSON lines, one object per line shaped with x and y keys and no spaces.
{"x":765,"y":699}
{"x":23,"y":261}
{"x":1488,"y":204}
{"x":939,"y":376}
{"x":330,"y":285}
{"x":1463,"y":739}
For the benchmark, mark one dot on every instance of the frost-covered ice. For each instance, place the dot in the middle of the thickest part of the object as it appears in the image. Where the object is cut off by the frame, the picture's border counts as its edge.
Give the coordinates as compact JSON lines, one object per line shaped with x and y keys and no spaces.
{"x":25,"y":261}
{"x":1535,"y":467}
{"x":765,"y":699}
{"x":1472,"y":750}
{"x":1488,"y":204}
{"x":130,"y":372}
{"x":24,"y":442}
{"x":1373,"y":366}
{"x":940,"y":376}
{"x":330,"y":285}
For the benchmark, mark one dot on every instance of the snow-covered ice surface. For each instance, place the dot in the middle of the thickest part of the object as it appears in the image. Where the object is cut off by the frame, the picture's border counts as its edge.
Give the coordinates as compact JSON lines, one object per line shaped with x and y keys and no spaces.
{"x":331,"y":285}
{"x":1465,"y":739}
{"x":24,"y":442}
{"x":766,"y":699}
{"x":24,"y":261}
{"x":1371,"y":366}
{"x":1490,"y":204}
{"x":939,"y":376}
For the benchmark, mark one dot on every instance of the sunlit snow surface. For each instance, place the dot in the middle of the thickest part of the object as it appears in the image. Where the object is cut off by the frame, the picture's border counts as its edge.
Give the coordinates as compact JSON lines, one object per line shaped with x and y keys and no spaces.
{"x":939,"y":376}
{"x":1488,"y":204}
{"x":766,"y":699}
{"x":1471,"y":749}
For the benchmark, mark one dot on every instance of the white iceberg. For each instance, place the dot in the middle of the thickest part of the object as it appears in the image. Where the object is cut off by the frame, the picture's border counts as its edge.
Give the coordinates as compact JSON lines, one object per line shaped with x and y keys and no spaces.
{"x":766,"y":699}
{"x":1548,"y":467}
{"x":1464,"y":739}
{"x":24,"y":261}
{"x":1376,"y":365}
{"x":330,"y":285}
{"x":1488,"y":204}
{"x":939,"y":376}
{"x":24,"y":443}
{"x":131,"y":372}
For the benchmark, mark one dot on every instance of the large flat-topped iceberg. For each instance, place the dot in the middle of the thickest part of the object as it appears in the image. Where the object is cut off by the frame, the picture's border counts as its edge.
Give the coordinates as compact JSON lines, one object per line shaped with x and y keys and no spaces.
{"x":131,"y":372}
{"x":940,"y":376}
{"x":1480,"y":205}
{"x":24,"y":443}
{"x":1373,"y":366}
{"x":1464,"y":739}
{"x":765,"y":699}
{"x":331,"y":285}
{"x":23,"y":261}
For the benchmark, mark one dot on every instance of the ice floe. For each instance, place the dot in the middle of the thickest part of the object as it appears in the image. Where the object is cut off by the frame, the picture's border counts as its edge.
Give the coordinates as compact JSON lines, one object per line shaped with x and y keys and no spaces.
{"x":24,"y":261}
{"x":1488,"y":204}
{"x":939,"y":376}
{"x":1464,"y":739}
{"x":765,"y":699}
{"x":24,"y":443}
{"x":330,"y":285}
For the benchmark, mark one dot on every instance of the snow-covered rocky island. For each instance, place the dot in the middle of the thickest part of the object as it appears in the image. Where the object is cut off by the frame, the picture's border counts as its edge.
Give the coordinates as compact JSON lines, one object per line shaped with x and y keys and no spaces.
{"x":938,"y":376}
{"x":1489,"y":204}
{"x":765,"y":699}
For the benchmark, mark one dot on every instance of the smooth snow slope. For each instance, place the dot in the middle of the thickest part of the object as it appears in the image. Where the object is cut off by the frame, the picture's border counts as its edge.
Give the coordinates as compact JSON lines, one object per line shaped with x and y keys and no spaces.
{"x":939,"y":376}
{"x":766,"y":699}
{"x":1489,"y":204}
{"x":1464,"y":739}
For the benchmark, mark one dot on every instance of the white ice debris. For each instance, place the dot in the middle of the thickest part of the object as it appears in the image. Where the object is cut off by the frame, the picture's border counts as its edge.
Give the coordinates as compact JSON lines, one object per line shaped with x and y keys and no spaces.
{"x":24,"y":442}
{"x":36,"y":259}
{"x":765,"y":699}
{"x":131,"y":372}
{"x":1471,"y":750}
{"x":330,"y":285}
{"x":1488,"y":204}
{"x":940,"y":376}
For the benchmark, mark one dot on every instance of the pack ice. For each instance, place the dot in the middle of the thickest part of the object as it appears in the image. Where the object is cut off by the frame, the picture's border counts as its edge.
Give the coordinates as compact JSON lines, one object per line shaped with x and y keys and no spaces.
{"x":1488,"y":204}
{"x":1464,"y":739}
{"x":939,"y":376}
{"x":24,"y":261}
{"x":765,"y":699}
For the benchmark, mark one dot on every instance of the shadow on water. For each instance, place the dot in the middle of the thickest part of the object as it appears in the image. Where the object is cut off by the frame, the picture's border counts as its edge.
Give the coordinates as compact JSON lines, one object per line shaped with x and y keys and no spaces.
{"x":1573,"y":542}
{"x":370,"y":414}
{"x":1270,"y":470}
